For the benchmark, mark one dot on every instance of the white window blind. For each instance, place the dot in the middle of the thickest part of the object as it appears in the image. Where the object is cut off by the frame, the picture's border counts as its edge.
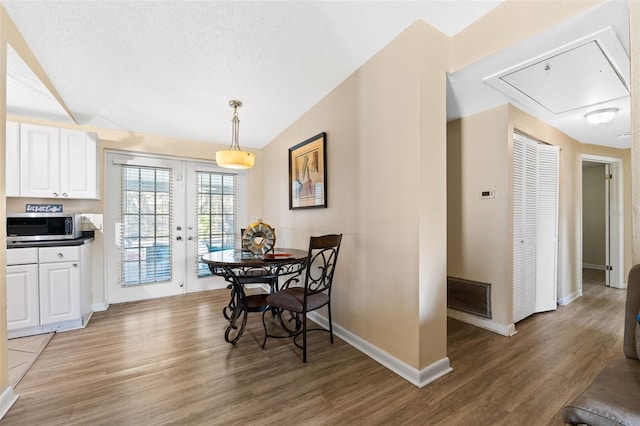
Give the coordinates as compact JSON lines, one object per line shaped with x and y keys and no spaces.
{"x":217,"y":213}
{"x":145,"y":215}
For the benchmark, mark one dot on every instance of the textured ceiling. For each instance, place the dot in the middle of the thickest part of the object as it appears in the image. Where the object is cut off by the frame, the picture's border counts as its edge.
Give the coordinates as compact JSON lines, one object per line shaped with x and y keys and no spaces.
{"x":170,"y":67}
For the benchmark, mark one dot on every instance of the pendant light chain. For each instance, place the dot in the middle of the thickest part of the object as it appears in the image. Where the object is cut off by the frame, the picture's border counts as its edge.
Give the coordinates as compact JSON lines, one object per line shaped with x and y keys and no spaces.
{"x":235,"y":157}
{"x":235,"y":129}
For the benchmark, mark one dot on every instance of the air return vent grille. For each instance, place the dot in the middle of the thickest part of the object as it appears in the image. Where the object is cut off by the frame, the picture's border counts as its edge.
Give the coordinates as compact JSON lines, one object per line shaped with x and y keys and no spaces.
{"x":469,"y":296}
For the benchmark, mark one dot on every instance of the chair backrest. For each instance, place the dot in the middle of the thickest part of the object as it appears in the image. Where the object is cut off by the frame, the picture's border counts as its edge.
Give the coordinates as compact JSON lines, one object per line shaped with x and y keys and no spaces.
{"x":632,"y":309}
{"x":323,"y":255}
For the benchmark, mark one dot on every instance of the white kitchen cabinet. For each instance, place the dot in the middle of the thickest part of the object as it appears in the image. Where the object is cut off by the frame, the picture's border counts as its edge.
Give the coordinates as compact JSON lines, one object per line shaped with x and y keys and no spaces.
{"x":57,"y":163}
{"x":48,"y":289}
{"x":13,"y":159}
{"x":59,"y":272}
{"x":23,"y":307}
{"x":78,"y":167}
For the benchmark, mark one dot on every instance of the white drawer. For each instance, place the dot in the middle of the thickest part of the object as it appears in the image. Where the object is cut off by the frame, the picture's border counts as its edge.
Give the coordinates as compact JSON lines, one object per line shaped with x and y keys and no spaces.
{"x":59,"y":254}
{"x":22,"y":256}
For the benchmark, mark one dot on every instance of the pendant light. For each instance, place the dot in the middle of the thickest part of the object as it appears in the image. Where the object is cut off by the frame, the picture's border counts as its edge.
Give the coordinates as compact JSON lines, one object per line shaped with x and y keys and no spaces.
{"x":234,"y":157}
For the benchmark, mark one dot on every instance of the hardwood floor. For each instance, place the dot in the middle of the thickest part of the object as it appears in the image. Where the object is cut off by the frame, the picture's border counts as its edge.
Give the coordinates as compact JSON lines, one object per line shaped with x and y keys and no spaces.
{"x":165,"y":362}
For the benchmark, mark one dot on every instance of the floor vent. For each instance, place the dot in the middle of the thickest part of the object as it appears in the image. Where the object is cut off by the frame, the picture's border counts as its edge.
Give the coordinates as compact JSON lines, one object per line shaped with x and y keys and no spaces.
{"x":469,"y":296}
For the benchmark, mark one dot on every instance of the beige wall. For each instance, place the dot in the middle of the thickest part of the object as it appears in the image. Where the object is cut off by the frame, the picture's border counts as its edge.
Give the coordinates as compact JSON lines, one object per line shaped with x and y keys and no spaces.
{"x":480,"y":242}
{"x":593,"y":216}
{"x":509,"y":23}
{"x":385,"y":129}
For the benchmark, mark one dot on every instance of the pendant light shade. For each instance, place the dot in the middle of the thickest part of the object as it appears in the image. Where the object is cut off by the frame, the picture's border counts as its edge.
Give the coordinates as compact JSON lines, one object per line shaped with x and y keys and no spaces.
{"x":234,"y":157}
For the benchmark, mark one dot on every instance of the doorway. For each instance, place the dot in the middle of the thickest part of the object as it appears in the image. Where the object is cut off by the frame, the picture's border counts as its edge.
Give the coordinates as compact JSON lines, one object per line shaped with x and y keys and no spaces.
{"x":602,"y":220}
{"x":162,"y":214}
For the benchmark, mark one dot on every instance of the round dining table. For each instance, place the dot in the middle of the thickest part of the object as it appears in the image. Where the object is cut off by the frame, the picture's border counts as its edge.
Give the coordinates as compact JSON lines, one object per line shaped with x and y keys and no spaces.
{"x":239,"y":267}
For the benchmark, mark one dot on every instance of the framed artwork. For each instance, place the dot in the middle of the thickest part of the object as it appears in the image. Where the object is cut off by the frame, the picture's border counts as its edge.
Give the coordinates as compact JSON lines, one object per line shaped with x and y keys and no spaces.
{"x":308,"y":173}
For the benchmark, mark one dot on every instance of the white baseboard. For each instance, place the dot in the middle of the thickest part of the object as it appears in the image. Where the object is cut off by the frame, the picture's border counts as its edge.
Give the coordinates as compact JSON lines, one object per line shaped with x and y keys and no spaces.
{"x":420,"y":378}
{"x":593,"y":266}
{"x":99,"y":307}
{"x":564,"y":301}
{"x":7,"y":399}
{"x":504,"y":330}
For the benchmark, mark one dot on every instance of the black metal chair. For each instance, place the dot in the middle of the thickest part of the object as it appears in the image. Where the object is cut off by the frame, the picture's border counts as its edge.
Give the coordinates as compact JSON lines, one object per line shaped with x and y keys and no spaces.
{"x":314,"y":294}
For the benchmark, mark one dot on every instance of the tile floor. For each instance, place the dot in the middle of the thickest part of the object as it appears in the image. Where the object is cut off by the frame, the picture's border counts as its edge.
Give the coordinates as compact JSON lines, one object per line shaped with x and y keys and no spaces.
{"x":23,"y":352}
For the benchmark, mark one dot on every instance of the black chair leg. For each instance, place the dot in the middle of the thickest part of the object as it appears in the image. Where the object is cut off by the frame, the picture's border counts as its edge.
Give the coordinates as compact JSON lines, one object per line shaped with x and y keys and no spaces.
{"x":264,"y":342}
{"x":304,"y":336}
{"x":330,"y":322}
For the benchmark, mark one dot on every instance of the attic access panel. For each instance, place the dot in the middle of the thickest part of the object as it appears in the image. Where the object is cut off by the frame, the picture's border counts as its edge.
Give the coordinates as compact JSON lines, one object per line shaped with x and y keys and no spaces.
{"x":573,"y":79}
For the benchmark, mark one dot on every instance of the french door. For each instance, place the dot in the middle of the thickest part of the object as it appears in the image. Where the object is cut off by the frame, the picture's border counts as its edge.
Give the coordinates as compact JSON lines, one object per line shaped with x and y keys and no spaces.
{"x":161,"y":216}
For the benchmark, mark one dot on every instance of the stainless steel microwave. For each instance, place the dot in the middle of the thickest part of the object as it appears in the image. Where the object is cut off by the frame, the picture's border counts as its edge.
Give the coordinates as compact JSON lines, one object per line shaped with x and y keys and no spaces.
{"x":43,"y":226}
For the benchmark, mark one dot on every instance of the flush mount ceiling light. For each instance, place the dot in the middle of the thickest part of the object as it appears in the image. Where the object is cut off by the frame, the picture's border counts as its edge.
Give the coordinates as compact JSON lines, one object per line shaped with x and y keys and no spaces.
{"x":601,"y":115}
{"x":234,"y":157}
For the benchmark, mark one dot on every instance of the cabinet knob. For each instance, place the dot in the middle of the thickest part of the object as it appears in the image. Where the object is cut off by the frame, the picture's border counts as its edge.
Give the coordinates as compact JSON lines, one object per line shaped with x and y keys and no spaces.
{"x":60,"y":255}
{"x":64,"y":194}
{"x":75,"y":265}
{"x":55,"y":194}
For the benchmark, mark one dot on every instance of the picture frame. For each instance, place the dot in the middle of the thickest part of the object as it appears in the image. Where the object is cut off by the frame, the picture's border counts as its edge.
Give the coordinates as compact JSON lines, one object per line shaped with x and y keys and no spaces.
{"x":308,"y":173}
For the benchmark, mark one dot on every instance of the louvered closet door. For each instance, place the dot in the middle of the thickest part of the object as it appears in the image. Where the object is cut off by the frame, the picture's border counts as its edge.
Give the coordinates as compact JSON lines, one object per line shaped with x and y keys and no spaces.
{"x":524,"y":229}
{"x":535,"y":204}
{"x":547,"y":228}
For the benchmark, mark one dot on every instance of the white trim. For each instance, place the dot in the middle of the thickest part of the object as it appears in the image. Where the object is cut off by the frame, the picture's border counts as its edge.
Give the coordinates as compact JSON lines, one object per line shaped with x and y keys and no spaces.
{"x":504,"y":330}
{"x":7,"y":399}
{"x":617,"y":216}
{"x":564,"y":301}
{"x":99,"y":307}
{"x":420,"y":378}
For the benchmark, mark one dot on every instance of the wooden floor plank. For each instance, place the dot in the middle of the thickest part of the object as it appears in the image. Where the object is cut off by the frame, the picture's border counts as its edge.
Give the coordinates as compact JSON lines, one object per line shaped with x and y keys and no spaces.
{"x":165,"y":362}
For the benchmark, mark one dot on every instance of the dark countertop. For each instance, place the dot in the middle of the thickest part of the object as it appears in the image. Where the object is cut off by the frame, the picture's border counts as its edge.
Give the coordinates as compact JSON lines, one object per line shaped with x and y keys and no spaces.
{"x":86,"y":238}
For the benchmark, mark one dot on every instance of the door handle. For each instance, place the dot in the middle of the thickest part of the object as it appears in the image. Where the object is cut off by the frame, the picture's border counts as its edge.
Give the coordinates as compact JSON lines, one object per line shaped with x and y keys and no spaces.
{"x":179,"y":238}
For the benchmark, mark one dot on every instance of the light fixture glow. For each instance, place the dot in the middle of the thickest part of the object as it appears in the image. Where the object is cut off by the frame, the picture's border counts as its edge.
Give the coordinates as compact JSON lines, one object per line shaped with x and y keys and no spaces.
{"x":601,"y":115}
{"x":234,"y":157}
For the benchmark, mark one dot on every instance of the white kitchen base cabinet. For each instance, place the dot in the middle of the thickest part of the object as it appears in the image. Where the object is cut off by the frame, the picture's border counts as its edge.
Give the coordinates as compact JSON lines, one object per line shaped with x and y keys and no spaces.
{"x":22,"y":292}
{"x":59,"y":292}
{"x":52,"y":294}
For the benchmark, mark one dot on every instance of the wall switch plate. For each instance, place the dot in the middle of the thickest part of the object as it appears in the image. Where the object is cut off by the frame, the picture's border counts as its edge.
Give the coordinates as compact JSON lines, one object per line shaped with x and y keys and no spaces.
{"x":488,"y":193}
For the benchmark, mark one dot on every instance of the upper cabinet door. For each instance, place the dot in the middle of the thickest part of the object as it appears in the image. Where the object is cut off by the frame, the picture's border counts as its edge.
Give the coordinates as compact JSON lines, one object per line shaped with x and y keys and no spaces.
{"x":78,"y":164}
{"x":39,"y":161}
{"x":13,"y":159}
{"x":53,"y":163}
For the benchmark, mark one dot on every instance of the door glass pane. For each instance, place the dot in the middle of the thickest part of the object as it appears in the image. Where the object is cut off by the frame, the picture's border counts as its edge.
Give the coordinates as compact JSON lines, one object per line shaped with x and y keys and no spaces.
{"x":146,"y":254}
{"x":216,"y":214}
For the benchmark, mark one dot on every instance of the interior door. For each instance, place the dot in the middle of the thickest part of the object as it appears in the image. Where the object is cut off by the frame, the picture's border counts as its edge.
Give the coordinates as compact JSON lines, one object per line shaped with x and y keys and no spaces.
{"x":535,"y":226}
{"x":144,"y":227}
{"x":524,"y":229}
{"x":548,"y":163}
